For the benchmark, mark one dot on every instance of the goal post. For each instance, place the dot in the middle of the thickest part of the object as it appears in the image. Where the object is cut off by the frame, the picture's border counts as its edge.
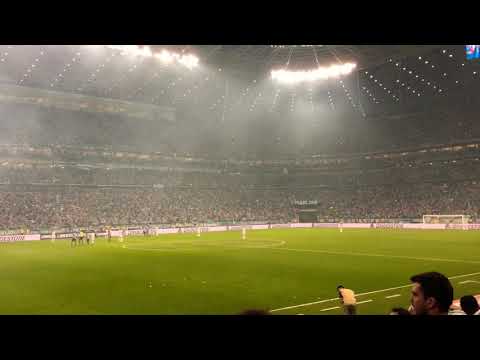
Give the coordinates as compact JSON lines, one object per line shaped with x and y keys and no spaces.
{"x":446,"y":219}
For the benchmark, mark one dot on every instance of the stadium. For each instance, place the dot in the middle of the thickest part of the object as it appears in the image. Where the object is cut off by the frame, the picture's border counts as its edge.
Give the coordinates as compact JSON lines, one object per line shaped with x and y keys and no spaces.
{"x":235,"y":179}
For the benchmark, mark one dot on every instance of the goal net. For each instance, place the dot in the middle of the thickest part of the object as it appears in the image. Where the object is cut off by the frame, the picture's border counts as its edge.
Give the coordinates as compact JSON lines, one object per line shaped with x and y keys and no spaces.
{"x":446,"y":219}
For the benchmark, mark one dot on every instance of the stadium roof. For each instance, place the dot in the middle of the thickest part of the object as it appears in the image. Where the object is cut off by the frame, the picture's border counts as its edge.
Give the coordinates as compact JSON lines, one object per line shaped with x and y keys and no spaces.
{"x":233,"y":78}
{"x":258,"y":60}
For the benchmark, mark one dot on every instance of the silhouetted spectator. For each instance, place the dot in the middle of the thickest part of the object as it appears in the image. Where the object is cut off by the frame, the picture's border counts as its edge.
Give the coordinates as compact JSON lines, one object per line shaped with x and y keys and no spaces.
{"x":469,"y":305}
{"x":399,"y":311}
{"x":432,"y":294}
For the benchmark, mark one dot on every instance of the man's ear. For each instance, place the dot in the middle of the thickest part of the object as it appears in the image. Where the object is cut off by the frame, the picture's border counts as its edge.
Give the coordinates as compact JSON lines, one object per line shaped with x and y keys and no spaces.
{"x":430,"y":303}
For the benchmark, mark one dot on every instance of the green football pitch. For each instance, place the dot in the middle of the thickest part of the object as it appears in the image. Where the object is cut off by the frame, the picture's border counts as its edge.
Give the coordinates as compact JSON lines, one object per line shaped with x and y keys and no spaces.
{"x":289,"y":272}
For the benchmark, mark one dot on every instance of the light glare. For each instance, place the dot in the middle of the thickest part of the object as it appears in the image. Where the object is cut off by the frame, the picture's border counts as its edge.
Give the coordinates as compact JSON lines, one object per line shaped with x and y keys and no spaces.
{"x":167,"y":57}
{"x":292,"y":77}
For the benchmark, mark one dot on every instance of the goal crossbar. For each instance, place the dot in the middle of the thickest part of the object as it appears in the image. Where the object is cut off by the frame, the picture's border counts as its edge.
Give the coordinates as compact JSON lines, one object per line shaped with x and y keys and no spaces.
{"x":445,"y":219}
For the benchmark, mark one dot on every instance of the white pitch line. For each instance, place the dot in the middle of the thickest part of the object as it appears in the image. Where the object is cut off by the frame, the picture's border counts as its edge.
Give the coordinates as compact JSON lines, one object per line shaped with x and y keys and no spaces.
{"x":338,"y":307}
{"x":364,"y":302}
{"x":392,"y":296}
{"x":469,"y":281}
{"x":366,"y":293}
{"x":192,"y":246}
{"x":460,"y":276}
{"x":303,"y":305}
{"x":378,"y":255}
{"x":332,"y":308}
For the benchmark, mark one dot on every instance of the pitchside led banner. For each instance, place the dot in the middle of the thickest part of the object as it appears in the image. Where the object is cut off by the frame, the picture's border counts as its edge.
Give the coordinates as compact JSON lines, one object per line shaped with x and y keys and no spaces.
{"x":473,"y":52}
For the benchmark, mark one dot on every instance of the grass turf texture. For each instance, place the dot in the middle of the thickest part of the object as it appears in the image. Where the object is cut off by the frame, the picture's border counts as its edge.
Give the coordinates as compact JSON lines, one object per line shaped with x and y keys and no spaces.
{"x":219,"y":273}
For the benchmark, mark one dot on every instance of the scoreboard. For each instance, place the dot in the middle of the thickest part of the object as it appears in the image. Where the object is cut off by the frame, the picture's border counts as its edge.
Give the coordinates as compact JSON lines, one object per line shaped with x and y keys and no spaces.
{"x":306,"y":210}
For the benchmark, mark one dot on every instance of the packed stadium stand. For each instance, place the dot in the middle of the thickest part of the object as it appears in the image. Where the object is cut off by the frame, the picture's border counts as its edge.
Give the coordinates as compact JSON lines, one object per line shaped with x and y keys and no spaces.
{"x":64,"y":166}
{"x":240,"y":176}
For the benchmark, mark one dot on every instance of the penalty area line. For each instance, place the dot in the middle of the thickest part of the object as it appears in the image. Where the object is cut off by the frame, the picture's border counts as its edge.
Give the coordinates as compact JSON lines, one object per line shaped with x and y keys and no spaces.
{"x":338,"y":307}
{"x":392,"y":296}
{"x":332,"y":308}
{"x":344,"y":253}
{"x":468,"y":282}
{"x":364,"y":302}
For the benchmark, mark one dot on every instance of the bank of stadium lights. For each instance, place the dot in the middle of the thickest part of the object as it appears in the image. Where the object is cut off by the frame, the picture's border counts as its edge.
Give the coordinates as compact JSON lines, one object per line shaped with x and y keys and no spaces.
{"x":4,"y":55}
{"x":444,"y":74}
{"x":347,"y":94}
{"x":369,"y":94}
{"x":31,"y":68}
{"x":293,"y":97}
{"x":330,"y":100}
{"x":67,"y":68}
{"x":166,"y":57}
{"x":310,"y":98}
{"x":96,"y":72}
{"x":461,"y":65}
{"x":320,"y":73}
{"x":420,"y":78}
{"x":381,"y":86}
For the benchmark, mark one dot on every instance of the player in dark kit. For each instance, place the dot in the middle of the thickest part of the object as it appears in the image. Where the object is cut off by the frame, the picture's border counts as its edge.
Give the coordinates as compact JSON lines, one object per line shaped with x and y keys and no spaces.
{"x":87,"y":237}
{"x":145,"y":231}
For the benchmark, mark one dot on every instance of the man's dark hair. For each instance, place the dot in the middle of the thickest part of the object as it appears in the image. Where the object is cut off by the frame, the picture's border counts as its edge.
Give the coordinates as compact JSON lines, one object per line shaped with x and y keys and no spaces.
{"x":437,"y":286}
{"x":400,"y":311}
{"x":340,"y":287}
{"x":469,"y":304}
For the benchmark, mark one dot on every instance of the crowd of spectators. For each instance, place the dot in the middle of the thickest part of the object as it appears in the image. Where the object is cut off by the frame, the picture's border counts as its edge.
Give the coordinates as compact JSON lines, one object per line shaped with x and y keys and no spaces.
{"x":71,"y":207}
{"x":409,"y":202}
{"x":56,"y":149}
{"x":67,"y":209}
